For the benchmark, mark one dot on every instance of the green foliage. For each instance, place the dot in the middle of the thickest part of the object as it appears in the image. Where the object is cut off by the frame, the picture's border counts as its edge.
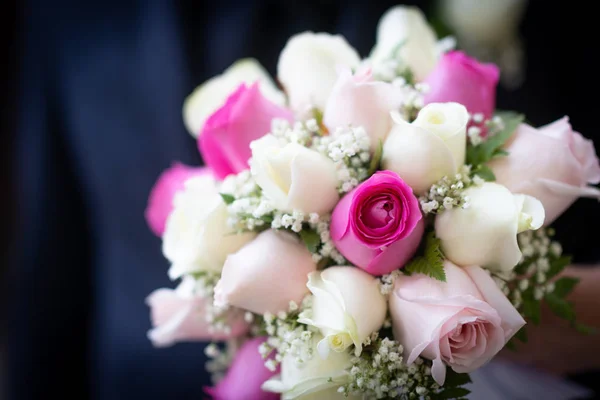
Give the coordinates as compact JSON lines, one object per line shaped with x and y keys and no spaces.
{"x":227,"y":198}
{"x":376,"y":160}
{"x":311,"y":239}
{"x":492,"y":146}
{"x":431,"y":263}
{"x":452,"y":388}
{"x":557,"y":266}
{"x":484,"y":172}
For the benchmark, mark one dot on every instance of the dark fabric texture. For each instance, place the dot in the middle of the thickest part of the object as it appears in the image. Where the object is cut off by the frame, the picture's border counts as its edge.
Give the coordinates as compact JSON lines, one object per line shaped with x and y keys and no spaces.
{"x":100,"y":91}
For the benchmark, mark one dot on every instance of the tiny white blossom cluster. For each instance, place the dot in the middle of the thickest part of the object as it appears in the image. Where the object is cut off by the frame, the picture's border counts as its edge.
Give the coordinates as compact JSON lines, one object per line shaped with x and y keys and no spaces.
{"x":216,"y":317}
{"x":447,"y":193}
{"x":539,"y":252}
{"x":287,"y":337}
{"x":219,"y":359}
{"x":381,"y":374}
{"x":479,"y":125}
{"x":386,"y":282}
{"x":349,"y":148}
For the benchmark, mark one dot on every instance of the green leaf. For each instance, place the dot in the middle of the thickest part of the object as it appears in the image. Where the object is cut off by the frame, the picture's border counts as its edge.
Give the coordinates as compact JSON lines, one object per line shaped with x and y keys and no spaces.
{"x":455,"y":379}
{"x":311,"y":239}
{"x":521,"y":335}
{"x":564,"y":286}
{"x":585,"y":330}
{"x":485,"y":173}
{"x":432,"y":262}
{"x":557,"y":266}
{"x":376,"y":160}
{"x":227,"y":198}
{"x":500,"y":153}
{"x":453,"y":393}
{"x":482,"y":153}
{"x":560,"y":307}
{"x":531,"y":307}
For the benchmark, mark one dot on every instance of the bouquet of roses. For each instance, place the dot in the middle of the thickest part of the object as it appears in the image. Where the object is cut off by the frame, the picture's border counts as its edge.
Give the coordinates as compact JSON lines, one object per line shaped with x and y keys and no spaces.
{"x":373,"y":229}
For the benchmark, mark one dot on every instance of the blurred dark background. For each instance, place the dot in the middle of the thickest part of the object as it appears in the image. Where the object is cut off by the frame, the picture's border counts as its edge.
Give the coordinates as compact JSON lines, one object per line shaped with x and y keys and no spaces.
{"x":91,"y":113}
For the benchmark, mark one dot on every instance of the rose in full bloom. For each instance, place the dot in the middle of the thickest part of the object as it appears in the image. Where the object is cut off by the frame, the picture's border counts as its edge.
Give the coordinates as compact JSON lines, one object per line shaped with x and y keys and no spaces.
{"x":462,"y":79}
{"x":266,"y":274}
{"x":179,"y":316}
{"x":245,"y":376}
{"x":196,"y":236}
{"x":212,"y":94}
{"x":294,"y":177}
{"x":553,"y":163}
{"x":485,"y":233}
{"x":347,"y":307}
{"x":378,"y":225}
{"x":359,"y":100}
{"x":429,"y":148}
{"x":462,"y":322}
{"x":403,"y":35}
{"x":226,"y":135}
{"x":315,"y":379}
{"x":307,"y":67}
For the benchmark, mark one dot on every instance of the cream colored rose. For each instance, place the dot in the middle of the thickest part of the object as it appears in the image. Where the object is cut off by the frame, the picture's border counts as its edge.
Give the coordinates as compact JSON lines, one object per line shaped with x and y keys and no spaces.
{"x":307,"y":67}
{"x":485,"y":233}
{"x":212,"y":94}
{"x":316,"y":379}
{"x":294,"y":177}
{"x":404,"y":35}
{"x":430,"y":147}
{"x":347,"y":307}
{"x":196,"y":236}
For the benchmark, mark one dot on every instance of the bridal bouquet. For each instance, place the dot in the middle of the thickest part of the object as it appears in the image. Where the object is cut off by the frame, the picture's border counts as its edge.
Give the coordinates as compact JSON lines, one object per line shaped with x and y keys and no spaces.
{"x":370,"y":228}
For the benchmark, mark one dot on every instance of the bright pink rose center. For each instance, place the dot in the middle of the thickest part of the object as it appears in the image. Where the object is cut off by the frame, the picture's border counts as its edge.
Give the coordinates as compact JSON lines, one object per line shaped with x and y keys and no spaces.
{"x":378,"y":212}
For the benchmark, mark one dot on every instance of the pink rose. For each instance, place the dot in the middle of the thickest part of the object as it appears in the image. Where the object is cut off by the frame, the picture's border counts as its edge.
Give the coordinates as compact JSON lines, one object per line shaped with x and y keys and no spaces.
{"x":160,"y":201}
{"x":378,"y":225}
{"x":554,"y":164}
{"x":266,"y":274}
{"x":360,"y":101}
{"x":225,"y":138}
{"x":178,"y":316}
{"x":245,"y":376}
{"x":462,"y":322}
{"x":462,"y":79}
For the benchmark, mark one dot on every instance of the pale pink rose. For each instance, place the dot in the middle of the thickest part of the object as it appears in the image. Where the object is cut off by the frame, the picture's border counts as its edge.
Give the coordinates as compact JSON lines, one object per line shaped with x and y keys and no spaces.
{"x":179,"y":316}
{"x":359,"y":100}
{"x":554,"y":164}
{"x":378,"y":226}
{"x":245,"y":376}
{"x":462,"y":79}
{"x":462,"y":322}
{"x":160,"y":201}
{"x":225,"y":138}
{"x":266,"y":274}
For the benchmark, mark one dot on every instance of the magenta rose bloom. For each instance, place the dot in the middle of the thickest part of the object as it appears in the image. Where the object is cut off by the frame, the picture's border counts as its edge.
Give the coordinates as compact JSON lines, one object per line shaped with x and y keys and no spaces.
{"x":225,"y":138}
{"x":160,"y":201}
{"x":245,"y":376}
{"x":378,"y":225}
{"x":462,"y":79}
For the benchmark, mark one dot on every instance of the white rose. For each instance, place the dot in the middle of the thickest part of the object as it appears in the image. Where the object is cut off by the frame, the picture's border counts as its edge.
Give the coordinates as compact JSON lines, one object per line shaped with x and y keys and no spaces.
{"x":294,"y":177}
{"x":404,"y":35}
{"x":196,"y":236}
{"x":429,"y":148}
{"x":307,"y":67}
{"x":315,"y":379}
{"x":347,"y":307}
{"x":212,"y":94}
{"x":485,"y":233}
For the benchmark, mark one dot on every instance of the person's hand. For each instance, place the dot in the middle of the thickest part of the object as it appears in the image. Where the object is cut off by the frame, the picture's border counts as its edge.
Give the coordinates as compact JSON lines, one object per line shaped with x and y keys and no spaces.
{"x":555,"y":346}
